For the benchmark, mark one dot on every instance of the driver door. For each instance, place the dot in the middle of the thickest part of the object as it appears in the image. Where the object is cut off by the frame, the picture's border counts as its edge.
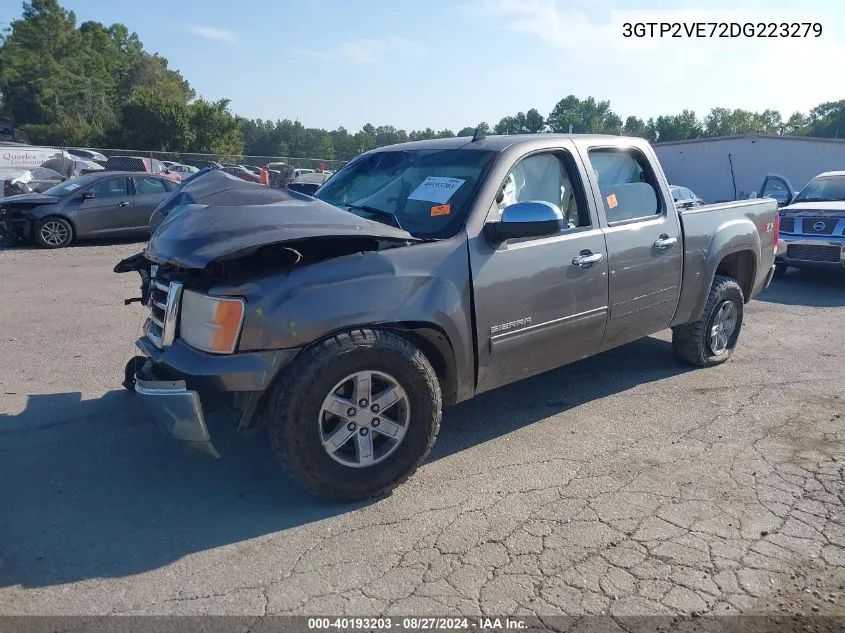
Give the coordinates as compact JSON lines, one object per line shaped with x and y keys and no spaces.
{"x":536,"y":306}
{"x":108,"y":208}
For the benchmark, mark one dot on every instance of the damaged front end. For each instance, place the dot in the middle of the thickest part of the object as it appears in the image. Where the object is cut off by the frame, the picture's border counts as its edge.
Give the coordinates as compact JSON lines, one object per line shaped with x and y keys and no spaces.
{"x":200,"y":248}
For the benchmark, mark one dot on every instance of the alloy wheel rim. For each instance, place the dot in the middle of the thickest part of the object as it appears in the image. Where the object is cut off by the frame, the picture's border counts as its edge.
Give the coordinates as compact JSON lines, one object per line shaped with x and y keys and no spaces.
{"x":364,"y":419}
{"x":722,"y":327}
{"x":54,"y":233}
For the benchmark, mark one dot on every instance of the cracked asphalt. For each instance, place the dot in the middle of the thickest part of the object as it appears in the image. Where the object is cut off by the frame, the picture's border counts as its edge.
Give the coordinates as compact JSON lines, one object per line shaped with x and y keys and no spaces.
{"x":626,"y":484}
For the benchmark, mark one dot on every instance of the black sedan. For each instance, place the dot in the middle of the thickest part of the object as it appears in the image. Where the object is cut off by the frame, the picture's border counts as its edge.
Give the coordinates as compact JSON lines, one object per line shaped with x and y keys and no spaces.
{"x":106,"y":204}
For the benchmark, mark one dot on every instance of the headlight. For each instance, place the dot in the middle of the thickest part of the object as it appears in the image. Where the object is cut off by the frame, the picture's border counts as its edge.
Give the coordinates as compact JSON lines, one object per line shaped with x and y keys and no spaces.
{"x":211,"y":324}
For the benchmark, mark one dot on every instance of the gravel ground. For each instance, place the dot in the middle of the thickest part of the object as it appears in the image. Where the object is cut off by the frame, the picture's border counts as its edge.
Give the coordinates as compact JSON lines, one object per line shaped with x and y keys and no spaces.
{"x":624,"y":484}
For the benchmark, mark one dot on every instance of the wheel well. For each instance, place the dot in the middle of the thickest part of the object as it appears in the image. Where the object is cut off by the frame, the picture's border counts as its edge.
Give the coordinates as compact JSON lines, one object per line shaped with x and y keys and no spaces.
{"x":437,"y":347}
{"x":741,"y":267}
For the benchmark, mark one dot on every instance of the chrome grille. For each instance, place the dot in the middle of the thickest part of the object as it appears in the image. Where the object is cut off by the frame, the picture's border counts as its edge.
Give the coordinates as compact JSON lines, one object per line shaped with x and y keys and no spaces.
{"x":787,"y":225}
{"x":163,"y":301}
{"x":814,"y":253}
{"x":819,"y":226}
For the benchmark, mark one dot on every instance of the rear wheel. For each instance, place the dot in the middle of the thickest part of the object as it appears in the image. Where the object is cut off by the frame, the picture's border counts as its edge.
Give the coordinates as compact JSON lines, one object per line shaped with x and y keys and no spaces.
{"x":711,"y":340}
{"x":355,"y":415}
{"x":53,"y":232}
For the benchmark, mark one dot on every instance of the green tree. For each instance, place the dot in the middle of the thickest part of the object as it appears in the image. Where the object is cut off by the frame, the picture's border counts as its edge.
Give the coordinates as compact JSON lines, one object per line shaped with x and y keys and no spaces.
{"x":587,"y":116}
{"x":675,"y":127}
{"x":634,"y":127}
{"x":534,"y":121}
{"x":827,"y":120}
{"x":152,"y":121}
{"x":63,"y":84}
{"x":214,"y":129}
{"x":796,"y":125}
{"x":39,"y":63}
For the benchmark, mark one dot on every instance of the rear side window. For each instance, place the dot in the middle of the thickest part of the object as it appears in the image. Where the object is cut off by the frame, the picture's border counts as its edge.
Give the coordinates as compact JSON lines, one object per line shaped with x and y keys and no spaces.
{"x":149,"y":185}
{"x":628,"y":186}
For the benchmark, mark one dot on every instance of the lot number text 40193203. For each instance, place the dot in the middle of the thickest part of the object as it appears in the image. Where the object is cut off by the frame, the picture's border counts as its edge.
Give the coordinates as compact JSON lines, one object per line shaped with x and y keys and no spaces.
{"x":731,"y":30}
{"x":417,"y":624}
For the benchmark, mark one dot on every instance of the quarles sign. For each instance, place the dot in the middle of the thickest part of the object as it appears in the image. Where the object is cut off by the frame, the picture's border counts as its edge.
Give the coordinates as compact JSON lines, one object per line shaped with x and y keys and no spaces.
{"x":16,"y":156}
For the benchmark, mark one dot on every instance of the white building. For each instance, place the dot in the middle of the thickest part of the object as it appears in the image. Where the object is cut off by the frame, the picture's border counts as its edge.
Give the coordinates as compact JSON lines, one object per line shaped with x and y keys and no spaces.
{"x":732,"y":167}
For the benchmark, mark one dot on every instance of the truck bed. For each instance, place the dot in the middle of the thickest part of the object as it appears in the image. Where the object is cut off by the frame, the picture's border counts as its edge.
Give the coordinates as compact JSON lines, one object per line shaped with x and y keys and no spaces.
{"x":720,"y":230}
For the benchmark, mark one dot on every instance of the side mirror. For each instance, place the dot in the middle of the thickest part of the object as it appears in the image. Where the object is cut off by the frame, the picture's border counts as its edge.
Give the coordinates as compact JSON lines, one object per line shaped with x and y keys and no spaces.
{"x":526,"y":219}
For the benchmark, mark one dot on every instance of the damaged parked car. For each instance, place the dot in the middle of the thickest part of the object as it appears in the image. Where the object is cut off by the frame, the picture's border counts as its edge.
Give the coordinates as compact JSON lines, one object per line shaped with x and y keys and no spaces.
{"x":422,"y":275}
{"x":105,"y":204}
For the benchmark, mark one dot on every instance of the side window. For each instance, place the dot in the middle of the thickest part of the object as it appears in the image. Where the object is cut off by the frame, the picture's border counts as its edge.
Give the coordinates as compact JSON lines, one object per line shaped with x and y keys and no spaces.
{"x":547,"y":177}
{"x":627,"y":185}
{"x":111,"y":188}
{"x":149,"y":185}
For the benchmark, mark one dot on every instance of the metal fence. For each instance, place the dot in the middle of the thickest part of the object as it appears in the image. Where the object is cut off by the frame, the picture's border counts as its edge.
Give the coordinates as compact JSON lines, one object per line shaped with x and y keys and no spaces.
{"x":203,"y":160}
{"x":23,"y":155}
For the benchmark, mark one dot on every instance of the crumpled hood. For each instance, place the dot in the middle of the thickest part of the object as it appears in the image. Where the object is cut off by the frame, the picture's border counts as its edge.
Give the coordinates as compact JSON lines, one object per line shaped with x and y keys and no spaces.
{"x":29,"y":198}
{"x":215,"y":217}
{"x":816,"y":208}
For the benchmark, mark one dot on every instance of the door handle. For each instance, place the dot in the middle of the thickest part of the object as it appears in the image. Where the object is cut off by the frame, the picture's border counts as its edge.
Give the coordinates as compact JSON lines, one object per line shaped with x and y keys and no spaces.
{"x":123,"y":204}
{"x":587,"y":260}
{"x":665,"y":242}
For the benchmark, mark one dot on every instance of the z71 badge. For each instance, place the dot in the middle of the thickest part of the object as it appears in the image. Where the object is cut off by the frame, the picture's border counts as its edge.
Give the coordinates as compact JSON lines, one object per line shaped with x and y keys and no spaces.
{"x":511,"y":325}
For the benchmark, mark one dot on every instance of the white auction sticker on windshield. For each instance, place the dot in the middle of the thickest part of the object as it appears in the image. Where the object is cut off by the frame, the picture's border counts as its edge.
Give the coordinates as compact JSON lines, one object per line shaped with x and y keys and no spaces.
{"x":72,"y":186}
{"x":436,"y":189}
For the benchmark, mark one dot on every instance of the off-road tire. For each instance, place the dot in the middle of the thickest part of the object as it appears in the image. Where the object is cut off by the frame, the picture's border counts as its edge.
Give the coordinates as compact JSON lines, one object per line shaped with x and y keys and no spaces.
{"x":293,"y":408}
{"x":690,"y":341}
{"x":53,"y":218}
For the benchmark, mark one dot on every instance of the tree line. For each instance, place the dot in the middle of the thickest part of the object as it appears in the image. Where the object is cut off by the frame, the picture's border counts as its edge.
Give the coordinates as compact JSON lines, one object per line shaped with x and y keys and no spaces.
{"x":93,"y":85}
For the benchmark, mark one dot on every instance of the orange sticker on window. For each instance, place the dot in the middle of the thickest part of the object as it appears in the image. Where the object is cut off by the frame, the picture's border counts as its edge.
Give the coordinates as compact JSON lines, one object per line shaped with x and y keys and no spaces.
{"x":441,"y":209}
{"x":611,"y":201}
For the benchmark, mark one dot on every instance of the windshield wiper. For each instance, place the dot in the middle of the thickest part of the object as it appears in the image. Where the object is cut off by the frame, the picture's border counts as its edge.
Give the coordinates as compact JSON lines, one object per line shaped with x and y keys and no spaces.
{"x":375,"y":211}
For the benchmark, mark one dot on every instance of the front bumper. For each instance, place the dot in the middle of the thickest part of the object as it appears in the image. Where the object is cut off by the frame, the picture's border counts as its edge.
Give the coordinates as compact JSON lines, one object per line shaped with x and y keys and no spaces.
{"x":176,"y":380}
{"x":17,"y":226}
{"x":811,"y":250}
{"x":176,"y":410}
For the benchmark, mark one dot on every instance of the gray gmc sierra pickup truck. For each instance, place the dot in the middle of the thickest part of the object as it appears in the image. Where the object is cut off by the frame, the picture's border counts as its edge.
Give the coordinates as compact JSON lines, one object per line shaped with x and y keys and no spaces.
{"x":421,"y":275}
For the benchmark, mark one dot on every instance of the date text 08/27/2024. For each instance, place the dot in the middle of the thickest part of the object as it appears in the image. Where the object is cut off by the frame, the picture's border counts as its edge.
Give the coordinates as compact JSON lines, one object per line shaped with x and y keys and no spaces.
{"x":417,"y":624}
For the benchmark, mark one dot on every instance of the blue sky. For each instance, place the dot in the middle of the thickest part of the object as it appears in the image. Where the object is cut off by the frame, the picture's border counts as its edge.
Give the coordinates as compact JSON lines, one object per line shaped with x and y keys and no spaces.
{"x":438,"y":63}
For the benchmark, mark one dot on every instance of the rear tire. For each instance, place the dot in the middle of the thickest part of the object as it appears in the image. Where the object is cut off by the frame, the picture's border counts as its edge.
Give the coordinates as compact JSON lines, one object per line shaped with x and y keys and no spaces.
{"x":53,"y":232}
{"x":711,"y":340}
{"x":299,"y":424}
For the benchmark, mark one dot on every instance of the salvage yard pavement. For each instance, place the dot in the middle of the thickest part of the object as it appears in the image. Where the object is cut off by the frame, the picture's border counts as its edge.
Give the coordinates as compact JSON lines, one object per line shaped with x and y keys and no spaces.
{"x":624,"y":484}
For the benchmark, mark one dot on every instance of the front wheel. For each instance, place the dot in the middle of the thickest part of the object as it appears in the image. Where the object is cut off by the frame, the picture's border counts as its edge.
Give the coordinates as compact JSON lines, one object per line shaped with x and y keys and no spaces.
{"x":711,"y":340}
{"x":53,"y":232}
{"x":355,"y":415}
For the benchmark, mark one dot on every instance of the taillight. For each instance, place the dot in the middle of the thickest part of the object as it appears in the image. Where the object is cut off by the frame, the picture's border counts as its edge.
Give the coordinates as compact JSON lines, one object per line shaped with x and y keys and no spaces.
{"x":777,"y":231}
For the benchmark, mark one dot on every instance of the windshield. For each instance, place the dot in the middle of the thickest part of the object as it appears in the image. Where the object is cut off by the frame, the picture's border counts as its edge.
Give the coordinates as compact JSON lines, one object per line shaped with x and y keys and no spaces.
{"x":427,"y":192}
{"x":823,"y":189}
{"x":69,"y":186}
